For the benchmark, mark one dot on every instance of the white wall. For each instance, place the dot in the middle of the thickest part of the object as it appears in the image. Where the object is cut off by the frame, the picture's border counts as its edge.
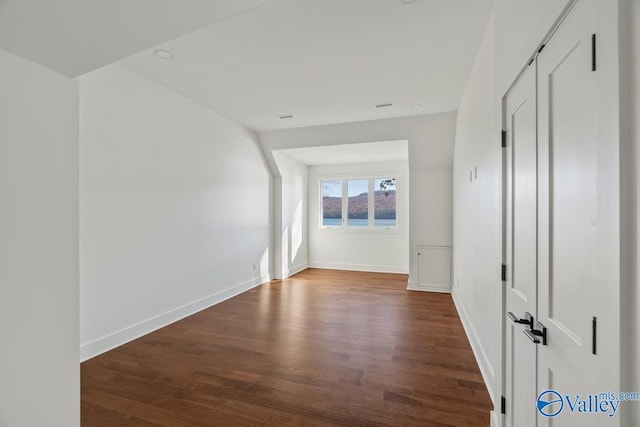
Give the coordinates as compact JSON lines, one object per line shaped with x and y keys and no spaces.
{"x":430,"y":162}
{"x":634,"y":319}
{"x":635,"y":135}
{"x":39,"y":361}
{"x":477,"y":225}
{"x":291,"y":223}
{"x":630,"y":181}
{"x":517,"y":25}
{"x":516,"y":30}
{"x":360,"y":250}
{"x":174,"y":208}
{"x":431,"y":210}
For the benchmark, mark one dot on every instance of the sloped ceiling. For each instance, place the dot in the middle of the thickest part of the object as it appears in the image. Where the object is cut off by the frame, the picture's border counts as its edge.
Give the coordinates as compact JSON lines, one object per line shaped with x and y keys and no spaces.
{"x":73,"y":37}
{"x":326,"y":61}
{"x":366,"y":152}
{"x":322,"y":61}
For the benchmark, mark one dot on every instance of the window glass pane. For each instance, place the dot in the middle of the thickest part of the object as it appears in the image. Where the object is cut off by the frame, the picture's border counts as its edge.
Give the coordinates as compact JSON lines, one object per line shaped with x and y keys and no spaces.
{"x":331,"y":203}
{"x":384,"y":202}
{"x":358,"y":203}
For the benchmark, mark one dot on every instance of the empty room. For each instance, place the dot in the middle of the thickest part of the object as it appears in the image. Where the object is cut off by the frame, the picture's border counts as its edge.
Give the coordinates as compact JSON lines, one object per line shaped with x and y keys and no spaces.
{"x":319,"y":213}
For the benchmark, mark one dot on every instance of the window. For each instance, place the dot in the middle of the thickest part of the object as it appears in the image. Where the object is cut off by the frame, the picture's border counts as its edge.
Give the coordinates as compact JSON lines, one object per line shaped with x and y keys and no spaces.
{"x":359,"y":203}
{"x":384,"y":202}
{"x":331,"y":203}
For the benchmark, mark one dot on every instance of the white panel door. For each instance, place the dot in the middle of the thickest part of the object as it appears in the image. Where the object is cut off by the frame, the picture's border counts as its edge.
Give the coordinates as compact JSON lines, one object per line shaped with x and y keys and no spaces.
{"x":521,"y":249}
{"x":568,"y":221}
{"x":434,"y":267}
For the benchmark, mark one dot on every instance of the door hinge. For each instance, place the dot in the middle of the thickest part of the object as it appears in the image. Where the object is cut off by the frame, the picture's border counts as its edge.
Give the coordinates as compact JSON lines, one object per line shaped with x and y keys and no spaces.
{"x":503,"y":405}
{"x":533,"y":58}
{"x":503,"y":140}
{"x":594,"y":330}
{"x":593,"y":52}
{"x":503,"y":272}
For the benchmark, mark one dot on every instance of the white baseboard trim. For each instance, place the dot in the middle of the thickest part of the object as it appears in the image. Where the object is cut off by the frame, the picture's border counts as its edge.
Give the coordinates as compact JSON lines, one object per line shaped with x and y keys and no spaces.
{"x":108,"y":342}
{"x":359,"y":267}
{"x":478,"y":351}
{"x":428,"y":289}
{"x":413,"y":286}
{"x":298,"y":268}
{"x":293,"y":270}
{"x":495,"y":418}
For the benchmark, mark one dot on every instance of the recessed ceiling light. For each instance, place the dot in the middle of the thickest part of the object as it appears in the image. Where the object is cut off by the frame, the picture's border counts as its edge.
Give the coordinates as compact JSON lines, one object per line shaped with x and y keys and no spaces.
{"x":273,"y":122}
{"x":416,"y":106}
{"x":388,"y":104}
{"x":163,"y":53}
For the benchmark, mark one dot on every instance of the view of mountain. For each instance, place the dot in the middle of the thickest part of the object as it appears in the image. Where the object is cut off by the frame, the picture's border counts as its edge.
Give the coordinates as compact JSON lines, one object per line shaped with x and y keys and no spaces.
{"x":384,"y":201}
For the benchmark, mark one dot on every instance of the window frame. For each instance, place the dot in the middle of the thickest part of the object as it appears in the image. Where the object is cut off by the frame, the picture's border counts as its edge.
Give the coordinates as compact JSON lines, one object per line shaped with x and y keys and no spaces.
{"x":370,"y":177}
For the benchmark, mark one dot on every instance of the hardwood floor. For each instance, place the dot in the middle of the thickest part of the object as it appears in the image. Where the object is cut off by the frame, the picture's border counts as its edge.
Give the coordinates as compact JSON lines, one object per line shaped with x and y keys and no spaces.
{"x":321,"y":348}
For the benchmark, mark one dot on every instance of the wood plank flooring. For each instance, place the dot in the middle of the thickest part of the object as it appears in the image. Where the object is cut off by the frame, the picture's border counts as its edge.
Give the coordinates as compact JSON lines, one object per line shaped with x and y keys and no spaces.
{"x":323,"y":348}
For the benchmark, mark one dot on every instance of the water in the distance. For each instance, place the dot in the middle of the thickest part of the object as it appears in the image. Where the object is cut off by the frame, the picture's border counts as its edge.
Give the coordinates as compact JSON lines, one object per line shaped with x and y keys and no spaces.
{"x":332,"y":222}
{"x":387,"y":223}
{"x":337,"y":222}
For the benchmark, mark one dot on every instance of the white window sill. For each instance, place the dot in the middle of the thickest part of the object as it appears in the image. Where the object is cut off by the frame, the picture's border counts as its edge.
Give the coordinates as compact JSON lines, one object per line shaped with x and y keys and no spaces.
{"x":364,"y":230}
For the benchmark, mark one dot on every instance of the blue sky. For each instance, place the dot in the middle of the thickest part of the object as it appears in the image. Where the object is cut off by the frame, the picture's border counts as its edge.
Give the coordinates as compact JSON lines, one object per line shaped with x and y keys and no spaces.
{"x":356,"y":187}
{"x":332,"y":188}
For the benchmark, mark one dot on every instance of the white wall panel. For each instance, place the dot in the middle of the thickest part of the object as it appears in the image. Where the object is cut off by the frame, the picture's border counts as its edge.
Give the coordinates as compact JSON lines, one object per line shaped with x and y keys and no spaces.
{"x":477,"y":188}
{"x":291,"y":223}
{"x":353,"y":249}
{"x":430,"y":142}
{"x":174,"y":208}
{"x":39,"y":361}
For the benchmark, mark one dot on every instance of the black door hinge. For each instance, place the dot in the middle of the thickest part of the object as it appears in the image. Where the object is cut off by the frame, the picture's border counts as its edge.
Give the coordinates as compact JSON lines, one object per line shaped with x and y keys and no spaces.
{"x":594,"y":331}
{"x":533,"y":58}
{"x":593,"y":52}
{"x":503,"y":140}
{"x":503,"y":272}
{"x":503,"y":405}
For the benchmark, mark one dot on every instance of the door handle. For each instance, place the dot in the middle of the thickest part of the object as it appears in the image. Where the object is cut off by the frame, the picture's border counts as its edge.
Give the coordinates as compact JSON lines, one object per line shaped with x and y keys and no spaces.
{"x":528,"y":319}
{"x":529,"y":333}
{"x":533,"y":334}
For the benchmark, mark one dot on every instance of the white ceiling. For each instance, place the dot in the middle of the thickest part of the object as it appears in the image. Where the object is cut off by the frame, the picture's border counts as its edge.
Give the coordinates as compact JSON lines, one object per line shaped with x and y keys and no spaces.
{"x":367,"y":152}
{"x":326,"y":61}
{"x":77,"y":36}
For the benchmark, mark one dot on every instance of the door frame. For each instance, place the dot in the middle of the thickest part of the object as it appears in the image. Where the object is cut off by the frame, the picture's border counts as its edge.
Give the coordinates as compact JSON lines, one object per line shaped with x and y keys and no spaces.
{"x":608,"y":375}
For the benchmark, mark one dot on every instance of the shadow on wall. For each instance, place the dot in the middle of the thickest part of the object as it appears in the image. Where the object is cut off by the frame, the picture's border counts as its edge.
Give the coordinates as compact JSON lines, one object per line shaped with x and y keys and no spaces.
{"x":264,"y":264}
{"x":290,"y":245}
{"x":296,"y":232}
